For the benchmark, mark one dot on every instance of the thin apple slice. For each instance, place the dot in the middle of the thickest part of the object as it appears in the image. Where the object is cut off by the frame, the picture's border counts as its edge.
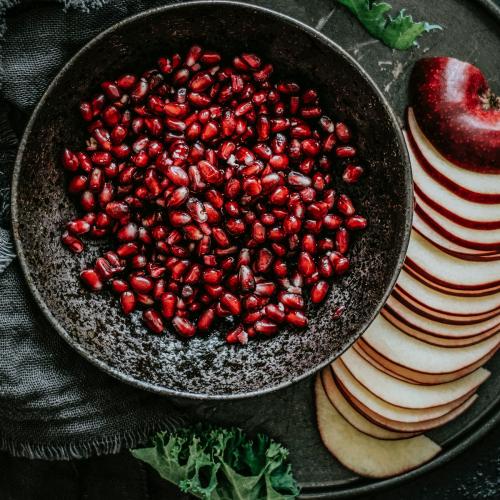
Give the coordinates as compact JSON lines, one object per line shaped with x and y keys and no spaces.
{"x":406,"y":395}
{"x":446,"y":245}
{"x":355,"y":418}
{"x":448,"y":271}
{"x":455,"y":292}
{"x":477,"y":239}
{"x":411,"y":353}
{"x":417,"y":427}
{"x":346,"y":381}
{"x":440,"y":302}
{"x":467,"y":213}
{"x":357,"y":347}
{"x":395,"y":320}
{"x":474,"y":186}
{"x":437,"y":328}
{"x":422,"y":377}
{"x":363,"y":454}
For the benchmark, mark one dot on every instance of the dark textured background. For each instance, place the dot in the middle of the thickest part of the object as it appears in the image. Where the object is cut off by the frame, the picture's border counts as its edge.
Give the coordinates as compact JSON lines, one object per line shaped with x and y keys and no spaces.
{"x":474,"y":474}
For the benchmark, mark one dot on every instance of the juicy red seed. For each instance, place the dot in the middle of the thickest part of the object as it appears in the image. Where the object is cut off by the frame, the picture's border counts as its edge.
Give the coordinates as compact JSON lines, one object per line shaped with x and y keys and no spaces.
{"x":117,"y":209}
{"x":345,"y":205}
{"x":319,"y":291}
{"x":342,"y":266}
{"x":296,"y":318}
{"x":356,"y":222}
{"x":70,"y":161}
{"x":78,"y":227}
{"x":291,"y":300}
{"x":141,"y":284}
{"x":345,"y":152}
{"x":231,"y":302}
{"x":342,"y":132}
{"x":275,"y":313}
{"x":206,"y":319}
{"x":342,"y":240}
{"x":332,"y":221}
{"x":128,"y":302}
{"x":306,"y":264}
{"x":153,"y":321}
{"x":72,"y":242}
{"x":299,"y":180}
{"x":246,"y":279}
{"x":352,"y":173}
{"x":91,"y":280}
{"x":168,"y":302}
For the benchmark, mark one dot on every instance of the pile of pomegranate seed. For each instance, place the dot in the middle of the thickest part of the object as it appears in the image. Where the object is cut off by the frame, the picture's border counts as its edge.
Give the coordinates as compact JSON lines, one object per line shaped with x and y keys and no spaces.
{"x":215,"y":187}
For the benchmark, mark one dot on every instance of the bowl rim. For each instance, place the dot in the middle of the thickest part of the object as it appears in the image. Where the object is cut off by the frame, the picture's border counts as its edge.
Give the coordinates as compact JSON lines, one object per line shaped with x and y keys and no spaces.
{"x":137,"y":382}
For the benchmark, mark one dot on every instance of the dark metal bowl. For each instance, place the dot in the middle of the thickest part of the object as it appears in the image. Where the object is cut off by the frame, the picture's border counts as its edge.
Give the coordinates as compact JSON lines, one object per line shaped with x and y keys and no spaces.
{"x":208,"y":367}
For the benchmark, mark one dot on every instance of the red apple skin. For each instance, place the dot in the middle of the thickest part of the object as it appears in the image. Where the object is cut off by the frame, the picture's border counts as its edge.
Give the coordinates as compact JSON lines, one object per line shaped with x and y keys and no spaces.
{"x":450,"y":105}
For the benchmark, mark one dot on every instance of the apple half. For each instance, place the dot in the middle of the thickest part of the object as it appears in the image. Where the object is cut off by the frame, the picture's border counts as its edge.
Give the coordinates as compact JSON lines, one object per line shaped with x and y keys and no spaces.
{"x":446,"y":245}
{"x":457,"y":112}
{"x":363,"y":454}
{"x":355,"y":418}
{"x":450,"y":272}
{"x":472,"y":186}
{"x":404,"y":394}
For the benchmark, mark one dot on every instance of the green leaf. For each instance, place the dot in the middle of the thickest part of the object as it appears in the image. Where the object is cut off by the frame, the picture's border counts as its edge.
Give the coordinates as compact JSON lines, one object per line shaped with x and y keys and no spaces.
{"x":399,"y":33}
{"x":222,"y":464}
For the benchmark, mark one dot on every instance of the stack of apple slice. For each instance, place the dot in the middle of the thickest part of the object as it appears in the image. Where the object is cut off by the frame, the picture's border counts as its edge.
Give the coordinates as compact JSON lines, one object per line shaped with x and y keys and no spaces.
{"x":419,"y":364}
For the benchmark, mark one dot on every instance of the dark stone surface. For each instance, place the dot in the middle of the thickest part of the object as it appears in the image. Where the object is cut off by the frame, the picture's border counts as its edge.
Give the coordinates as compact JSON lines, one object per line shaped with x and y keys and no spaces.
{"x":471,"y":33}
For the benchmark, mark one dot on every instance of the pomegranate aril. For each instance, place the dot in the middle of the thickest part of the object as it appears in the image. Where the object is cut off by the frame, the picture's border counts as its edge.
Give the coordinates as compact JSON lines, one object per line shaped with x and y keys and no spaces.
{"x":356,"y":222}
{"x":128,"y":302}
{"x":153,"y":321}
{"x":141,"y":284}
{"x":319,"y":291}
{"x":266,"y":327}
{"x":345,"y":205}
{"x":296,"y":318}
{"x":352,"y":174}
{"x":91,"y":280}
{"x":291,"y":300}
{"x":72,"y":242}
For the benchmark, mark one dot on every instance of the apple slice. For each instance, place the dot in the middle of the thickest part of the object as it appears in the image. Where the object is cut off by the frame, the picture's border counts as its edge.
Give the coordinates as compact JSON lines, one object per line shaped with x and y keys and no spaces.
{"x":446,"y":245}
{"x":354,"y":388}
{"x":457,"y":111}
{"x":445,"y":289}
{"x":377,"y":365}
{"x":467,"y":213}
{"x":438,"y":328}
{"x":399,"y":393}
{"x":429,"y":299}
{"x":448,"y":271}
{"x":473,"y":186}
{"x":363,"y":454}
{"x":412,"y":354}
{"x":422,"y":377}
{"x":477,"y":239}
{"x":416,"y":427}
{"x":396,"y":320}
{"x":355,"y":418}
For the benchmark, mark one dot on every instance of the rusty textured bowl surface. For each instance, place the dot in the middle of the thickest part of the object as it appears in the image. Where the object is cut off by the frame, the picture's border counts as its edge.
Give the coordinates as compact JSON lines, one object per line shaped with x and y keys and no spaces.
{"x":206,"y":367}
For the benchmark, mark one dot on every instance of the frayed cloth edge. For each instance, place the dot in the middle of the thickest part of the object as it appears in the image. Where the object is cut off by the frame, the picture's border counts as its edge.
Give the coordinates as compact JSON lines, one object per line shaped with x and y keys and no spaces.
{"x":110,"y":445}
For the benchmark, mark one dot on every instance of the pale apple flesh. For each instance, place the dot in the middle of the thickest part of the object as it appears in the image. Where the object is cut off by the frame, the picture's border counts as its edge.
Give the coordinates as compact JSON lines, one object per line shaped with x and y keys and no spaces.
{"x":363,"y":454}
{"x":448,"y":271}
{"x":480,"y":188}
{"x":444,"y":244}
{"x":456,"y":110}
{"x":355,"y":418}
{"x":400,"y":393}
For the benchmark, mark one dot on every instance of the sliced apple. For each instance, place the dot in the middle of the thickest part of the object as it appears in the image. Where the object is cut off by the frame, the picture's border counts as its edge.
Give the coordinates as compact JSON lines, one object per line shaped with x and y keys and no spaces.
{"x":477,"y":239}
{"x":465,"y":212}
{"x":376,"y":364}
{"x":439,"y":328}
{"x":395,"y":320}
{"x":424,"y":378}
{"x":413,"y":354}
{"x":474,"y":186}
{"x":417,"y":427}
{"x":430,"y":299}
{"x":428,"y":231}
{"x":406,"y":395}
{"x":355,"y":418}
{"x":448,"y":271}
{"x":363,"y":454}
{"x":450,"y":291}
{"x":352,"y":387}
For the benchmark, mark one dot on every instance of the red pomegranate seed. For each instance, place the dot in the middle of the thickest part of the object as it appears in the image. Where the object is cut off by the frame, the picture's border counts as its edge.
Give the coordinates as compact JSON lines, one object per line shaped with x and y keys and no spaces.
{"x":306,"y":264}
{"x":141,"y":284}
{"x":319,"y":291}
{"x":72,"y":242}
{"x":91,"y":280}
{"x":266,"y":327}
{"x":128,"y":302}
{"x":352,"y":173}
{"x":296,"y":318}
{"x":345,"y":205}
{"x":356,"y":222}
